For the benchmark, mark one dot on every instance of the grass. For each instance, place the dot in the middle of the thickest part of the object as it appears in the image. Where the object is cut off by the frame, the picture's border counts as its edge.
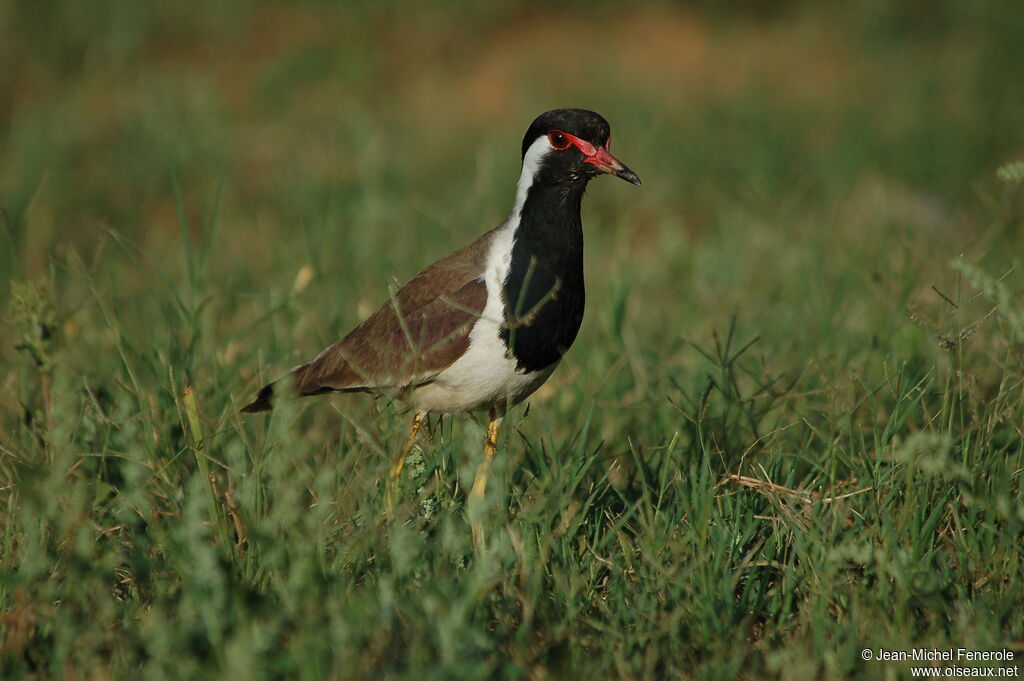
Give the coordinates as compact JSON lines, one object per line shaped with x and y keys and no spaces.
{"x":791,"y":428}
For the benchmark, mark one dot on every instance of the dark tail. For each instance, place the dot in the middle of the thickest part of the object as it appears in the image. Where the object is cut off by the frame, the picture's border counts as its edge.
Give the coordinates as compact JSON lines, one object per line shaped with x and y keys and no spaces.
{"x":262,"y":401}
{"x":300,"y":387}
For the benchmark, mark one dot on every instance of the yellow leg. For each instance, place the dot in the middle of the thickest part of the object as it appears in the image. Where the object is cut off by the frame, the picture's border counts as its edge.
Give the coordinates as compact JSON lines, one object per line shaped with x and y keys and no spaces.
{"x":396,"y":469}
{"x":490,"y":449}
{"x":417,"y":421}
{"x":476,"y":495}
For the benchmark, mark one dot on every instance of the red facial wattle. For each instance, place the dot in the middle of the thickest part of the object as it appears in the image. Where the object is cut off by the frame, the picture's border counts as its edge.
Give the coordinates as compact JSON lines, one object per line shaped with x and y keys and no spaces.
{"x":599,"y":157}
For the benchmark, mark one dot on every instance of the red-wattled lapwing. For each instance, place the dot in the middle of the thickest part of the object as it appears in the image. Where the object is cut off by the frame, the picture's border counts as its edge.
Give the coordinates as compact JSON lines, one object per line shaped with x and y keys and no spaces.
{"x":484,"y":327}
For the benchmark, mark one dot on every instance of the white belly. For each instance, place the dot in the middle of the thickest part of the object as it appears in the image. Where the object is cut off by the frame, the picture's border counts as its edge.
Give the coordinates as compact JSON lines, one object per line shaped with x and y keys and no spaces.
{"x":483,"y":378}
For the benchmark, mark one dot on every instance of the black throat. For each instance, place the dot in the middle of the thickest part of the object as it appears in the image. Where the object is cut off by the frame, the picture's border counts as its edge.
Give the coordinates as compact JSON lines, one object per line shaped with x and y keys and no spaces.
{"x":544,"y":291}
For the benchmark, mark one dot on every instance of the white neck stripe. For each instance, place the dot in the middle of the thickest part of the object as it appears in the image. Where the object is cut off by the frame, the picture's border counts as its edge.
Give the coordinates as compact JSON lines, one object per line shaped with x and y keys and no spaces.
{"x":531,"y":164}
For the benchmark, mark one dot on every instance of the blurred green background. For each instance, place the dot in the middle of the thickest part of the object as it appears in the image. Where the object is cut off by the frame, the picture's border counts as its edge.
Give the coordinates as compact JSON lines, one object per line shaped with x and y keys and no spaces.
{"x":206,"y":194}
{"x":365,"y":140}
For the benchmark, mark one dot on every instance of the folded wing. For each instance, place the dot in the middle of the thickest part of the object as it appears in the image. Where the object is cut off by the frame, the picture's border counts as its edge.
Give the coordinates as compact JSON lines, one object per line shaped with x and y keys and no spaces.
{"x":423,"y":328}
{"x":397,"y":347}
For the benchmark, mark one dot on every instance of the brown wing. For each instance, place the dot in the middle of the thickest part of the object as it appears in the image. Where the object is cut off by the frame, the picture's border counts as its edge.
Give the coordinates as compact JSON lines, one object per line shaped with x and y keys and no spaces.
{"x":396,"y":347}
{"x":422,"y":329}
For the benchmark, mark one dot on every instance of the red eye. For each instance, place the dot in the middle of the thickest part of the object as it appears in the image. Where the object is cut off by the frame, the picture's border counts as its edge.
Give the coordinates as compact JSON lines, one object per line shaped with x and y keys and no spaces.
{"x":559,"y":140}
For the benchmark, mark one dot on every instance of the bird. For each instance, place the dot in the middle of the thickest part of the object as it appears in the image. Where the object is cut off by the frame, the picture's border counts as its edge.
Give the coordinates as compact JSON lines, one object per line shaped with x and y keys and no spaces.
{"x":484,"y":327}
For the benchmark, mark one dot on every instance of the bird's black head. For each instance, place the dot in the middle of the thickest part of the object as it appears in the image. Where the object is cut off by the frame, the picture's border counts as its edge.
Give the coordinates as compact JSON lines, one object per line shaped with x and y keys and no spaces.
{"x":570,"y":146}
